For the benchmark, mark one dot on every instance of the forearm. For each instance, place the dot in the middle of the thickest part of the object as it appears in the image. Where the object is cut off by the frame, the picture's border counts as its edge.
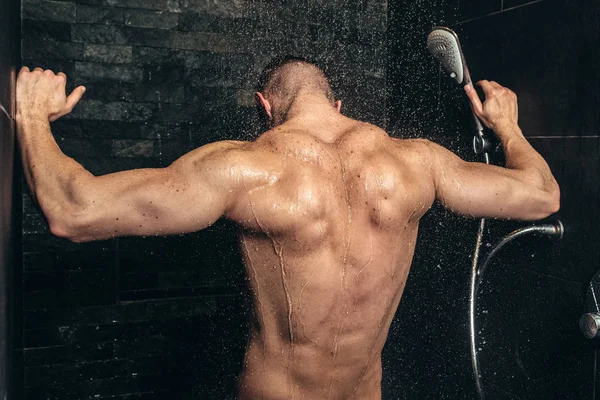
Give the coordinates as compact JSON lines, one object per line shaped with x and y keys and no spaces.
{"x":54,"y":179}
{"x":521,"y":156}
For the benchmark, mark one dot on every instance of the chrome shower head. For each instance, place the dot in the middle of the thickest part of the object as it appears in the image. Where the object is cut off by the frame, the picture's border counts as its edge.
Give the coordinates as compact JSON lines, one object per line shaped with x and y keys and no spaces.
{"x":444,"y":45}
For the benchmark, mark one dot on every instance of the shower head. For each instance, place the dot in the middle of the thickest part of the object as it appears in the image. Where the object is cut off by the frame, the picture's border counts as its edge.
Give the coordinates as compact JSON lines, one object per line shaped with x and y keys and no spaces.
{"x":444,"y":45}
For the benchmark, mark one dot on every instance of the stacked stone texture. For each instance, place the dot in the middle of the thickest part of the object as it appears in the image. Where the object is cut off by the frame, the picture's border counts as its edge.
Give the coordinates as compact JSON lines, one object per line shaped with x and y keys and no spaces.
{"x":156,"y":317}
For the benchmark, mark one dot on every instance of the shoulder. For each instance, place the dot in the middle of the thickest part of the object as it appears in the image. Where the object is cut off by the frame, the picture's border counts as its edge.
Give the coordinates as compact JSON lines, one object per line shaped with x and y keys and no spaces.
{"x":417,"y":151}
{"x":230,"y":164}
{"x":227,"y":153}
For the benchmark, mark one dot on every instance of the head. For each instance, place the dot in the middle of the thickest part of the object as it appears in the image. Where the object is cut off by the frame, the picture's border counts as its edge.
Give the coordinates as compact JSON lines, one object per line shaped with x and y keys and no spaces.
{"x":286,"y":79}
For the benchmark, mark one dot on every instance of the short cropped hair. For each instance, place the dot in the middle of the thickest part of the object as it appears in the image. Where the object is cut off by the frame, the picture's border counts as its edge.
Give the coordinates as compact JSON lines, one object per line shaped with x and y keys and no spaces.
{"x":316,"y":80}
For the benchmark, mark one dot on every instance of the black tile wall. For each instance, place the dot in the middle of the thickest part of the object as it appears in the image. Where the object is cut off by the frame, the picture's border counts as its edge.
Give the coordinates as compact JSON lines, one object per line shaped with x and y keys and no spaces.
{"x":533,"y":294}
{"x":151,"y":318}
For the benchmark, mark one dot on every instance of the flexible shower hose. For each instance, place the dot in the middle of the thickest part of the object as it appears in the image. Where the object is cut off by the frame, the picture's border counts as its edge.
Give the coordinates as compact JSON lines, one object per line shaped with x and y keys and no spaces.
{"x":472,"y":299}
{"x":477,"y":274}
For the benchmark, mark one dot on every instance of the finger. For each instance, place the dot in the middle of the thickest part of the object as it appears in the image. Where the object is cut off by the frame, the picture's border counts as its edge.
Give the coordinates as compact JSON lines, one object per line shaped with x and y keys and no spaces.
{"x":63,"y":76}
{"x":38,"y":69}
{"x":74,"y":97}
{"x":496,"y":85}
{"x":24,"y":69}
{"x":474,"y":99}
{"x":486,"y":86}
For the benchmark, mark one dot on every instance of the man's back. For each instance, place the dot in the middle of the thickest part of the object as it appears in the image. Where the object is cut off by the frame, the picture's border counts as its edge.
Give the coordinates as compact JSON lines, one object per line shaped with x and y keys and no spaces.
{"x":328,"y":243}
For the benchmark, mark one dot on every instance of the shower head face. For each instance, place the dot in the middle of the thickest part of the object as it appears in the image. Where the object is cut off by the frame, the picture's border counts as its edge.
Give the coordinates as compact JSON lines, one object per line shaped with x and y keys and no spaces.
{"x":443,"y":44}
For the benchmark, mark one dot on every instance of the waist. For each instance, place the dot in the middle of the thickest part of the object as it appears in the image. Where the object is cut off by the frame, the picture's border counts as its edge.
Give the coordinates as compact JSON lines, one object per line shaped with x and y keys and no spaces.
{"x":295,"y":370}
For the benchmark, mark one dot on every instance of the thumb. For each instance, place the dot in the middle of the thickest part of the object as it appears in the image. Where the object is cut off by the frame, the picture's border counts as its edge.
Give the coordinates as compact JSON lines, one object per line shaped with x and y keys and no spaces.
{"x":74,"y":97}
{"x":474,"y":99}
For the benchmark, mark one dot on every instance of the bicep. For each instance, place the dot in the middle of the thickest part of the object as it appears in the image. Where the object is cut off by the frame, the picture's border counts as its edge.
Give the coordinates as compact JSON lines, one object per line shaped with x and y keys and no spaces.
{"x":481,"y":190}
{"x":187,"y":196}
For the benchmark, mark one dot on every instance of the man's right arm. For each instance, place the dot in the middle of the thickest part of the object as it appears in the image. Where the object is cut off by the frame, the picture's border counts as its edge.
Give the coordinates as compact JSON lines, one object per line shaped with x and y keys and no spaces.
{"x":525,"y":189}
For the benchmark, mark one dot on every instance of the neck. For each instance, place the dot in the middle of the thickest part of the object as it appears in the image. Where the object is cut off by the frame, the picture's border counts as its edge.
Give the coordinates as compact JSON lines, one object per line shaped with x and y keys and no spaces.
{"x":310,"y":110}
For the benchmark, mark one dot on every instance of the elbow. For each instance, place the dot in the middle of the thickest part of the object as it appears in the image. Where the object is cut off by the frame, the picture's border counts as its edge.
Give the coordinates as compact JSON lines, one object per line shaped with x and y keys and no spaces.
{"x":548,"y":204}
{"x":68,"y":224}
{"x":555,"y":202}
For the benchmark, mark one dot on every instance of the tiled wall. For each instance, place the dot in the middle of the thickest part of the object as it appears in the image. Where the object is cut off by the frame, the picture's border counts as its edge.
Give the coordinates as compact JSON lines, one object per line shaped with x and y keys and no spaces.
{"x":547,"y":52}
{"x":164,"y":317}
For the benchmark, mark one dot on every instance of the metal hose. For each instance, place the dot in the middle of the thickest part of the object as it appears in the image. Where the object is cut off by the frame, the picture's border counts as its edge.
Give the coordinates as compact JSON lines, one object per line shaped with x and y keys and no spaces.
{"x":555,"y":229}
{"x":472,"y":299}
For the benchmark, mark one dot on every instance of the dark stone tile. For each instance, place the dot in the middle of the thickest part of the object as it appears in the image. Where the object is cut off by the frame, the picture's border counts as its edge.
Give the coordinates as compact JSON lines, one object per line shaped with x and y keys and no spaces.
{"x":531,"y":344}
{"x":108,"y":54}
{"x":186,"y":112}
{"x":168,"y":130}
{"x":116,"y":111}
{"x":40,"y":300}
{"x":38,"y":262}
{"x":100,"y":72}
{"x":106,"y":165}
{"x":77,"y":128}
{"x":164,"y":73}
{"x":66,"y":66}
{"x":408,"y":19}
{"x":99,"y":15}
{"x":171,"y":150}
{"x":151,"y":19}
{"x":506,"y":4}
{"x":46,"y":30}
{"x":169,"y":5}
{"x":45,"y":356}
{"x":200,"y":22}
{"x":160,"y":93}
{"x":34,"y":223}
{"x":108,"y":91}
{"x":96,"y":33}
{"x":134,"y":148}
{"x":109,"y":34}
{"x":152,"y":56}
{"x":430,"y":329}
{"x":574,"y":164}
{"x":560,"y":76}
{"x":45,"y":375}
{"x":223,"y":9}
{"x":52,"y":49}
{"x":201,"y":41}
{"x":49,"y":10}
{"x":75,"y":147}
{"x":413,"y":105}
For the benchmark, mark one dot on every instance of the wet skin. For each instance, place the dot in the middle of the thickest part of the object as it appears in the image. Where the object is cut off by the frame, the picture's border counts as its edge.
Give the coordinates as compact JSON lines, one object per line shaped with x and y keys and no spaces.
{"x":328,"y":209}
{"x":327,"y":244}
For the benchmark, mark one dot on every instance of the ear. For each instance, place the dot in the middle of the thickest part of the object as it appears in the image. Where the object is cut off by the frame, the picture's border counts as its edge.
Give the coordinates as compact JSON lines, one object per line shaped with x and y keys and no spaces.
{"x":264,"y":103}
{"x":337,"y":105}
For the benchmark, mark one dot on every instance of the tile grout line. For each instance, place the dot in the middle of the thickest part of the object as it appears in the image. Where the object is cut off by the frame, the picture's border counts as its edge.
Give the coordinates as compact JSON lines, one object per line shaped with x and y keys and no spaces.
{"x":556,"y":277}
{"x":564,"y":137}
{"x":496,"y":12}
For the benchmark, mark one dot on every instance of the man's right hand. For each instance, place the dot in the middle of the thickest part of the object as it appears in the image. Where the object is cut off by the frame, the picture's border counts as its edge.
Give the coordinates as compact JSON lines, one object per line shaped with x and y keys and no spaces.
{"x":499,"y":112}
{"x":41,"y":94}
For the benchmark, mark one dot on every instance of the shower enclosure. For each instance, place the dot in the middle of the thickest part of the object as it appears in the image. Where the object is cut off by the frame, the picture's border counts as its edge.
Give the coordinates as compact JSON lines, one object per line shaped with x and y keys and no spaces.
{"x":164,"y":317}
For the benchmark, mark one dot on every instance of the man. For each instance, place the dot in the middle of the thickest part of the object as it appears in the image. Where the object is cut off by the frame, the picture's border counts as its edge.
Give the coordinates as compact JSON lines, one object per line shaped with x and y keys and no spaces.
{"x":328,"y":209}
